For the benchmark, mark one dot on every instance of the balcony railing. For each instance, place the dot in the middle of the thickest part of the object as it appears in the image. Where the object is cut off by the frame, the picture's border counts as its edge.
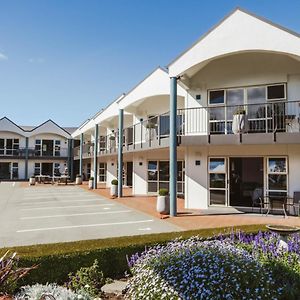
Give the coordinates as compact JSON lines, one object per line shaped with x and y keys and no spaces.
{"x":270,"y":117}
{"x":32,"y":152}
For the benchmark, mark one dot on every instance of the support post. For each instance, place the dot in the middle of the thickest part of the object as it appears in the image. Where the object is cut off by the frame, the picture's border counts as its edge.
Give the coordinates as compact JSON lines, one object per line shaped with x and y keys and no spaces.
{"x":71,"y":171}
{"x":173,"y":147}
{"x":80,"y":155}
{"x":120,"y":154}
{"x":95,"y":156}
{"x":26,"y":157}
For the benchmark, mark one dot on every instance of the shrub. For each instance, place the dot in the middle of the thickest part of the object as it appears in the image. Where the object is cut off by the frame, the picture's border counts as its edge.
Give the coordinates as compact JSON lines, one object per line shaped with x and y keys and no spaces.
{"x":195,"y":269}
{"x":114,"y":182}
{"x":78,"y":176}
{"x":163,"y":192}
{"x":89,"y":279}
{"x":91,"y":178}
{"x":10,"y":274}
{"x":39,"y":291}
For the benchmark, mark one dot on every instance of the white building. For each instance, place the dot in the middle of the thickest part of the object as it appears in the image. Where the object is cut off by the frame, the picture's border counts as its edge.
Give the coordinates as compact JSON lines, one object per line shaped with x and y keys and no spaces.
{"x":238,"y":109}
{"x":26,"y":150}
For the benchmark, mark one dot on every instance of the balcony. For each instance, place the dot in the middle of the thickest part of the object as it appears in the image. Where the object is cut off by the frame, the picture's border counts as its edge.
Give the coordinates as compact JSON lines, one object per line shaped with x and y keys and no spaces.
{"x":32,"y":153}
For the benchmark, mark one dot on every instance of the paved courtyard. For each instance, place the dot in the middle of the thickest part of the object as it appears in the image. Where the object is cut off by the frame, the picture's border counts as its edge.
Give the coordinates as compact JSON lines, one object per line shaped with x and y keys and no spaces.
{"x":48,"y":214}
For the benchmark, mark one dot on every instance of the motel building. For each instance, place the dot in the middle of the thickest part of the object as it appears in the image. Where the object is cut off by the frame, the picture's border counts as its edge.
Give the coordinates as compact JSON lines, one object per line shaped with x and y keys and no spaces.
{"x":27,"y":151}
{"x":218,"y":127}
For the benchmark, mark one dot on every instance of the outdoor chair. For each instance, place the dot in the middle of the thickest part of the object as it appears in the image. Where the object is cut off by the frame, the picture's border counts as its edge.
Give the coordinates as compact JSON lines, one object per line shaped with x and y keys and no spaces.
{"x":295,"y":203}
{"x":257,"y":199}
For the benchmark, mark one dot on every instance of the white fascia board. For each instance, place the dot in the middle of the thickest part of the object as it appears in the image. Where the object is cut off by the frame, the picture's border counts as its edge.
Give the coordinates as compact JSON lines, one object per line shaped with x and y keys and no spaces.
{"x":49,"y":127}
{"x":156,"y":84}
{"x":240,"y":32}
{"x":8,"y":126}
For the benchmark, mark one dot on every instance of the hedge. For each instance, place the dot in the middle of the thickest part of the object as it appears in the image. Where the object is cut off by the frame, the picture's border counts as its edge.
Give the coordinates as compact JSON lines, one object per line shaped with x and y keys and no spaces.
{"x":56,"y":261}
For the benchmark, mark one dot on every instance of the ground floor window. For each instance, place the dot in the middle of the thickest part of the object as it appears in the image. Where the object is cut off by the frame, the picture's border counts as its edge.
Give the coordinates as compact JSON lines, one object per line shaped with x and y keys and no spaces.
{"x":57,"y":169}
{"x":158,"y":176}
{"x":102,"y":172}
{"x":15,"y":170}
{"x":37,"y":169}
{"x":277,"y":176}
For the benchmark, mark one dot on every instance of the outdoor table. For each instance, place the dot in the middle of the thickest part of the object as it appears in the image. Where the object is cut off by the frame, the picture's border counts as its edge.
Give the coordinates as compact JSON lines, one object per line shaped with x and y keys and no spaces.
{"x":64,"y":178}
{"x":274,"y":198}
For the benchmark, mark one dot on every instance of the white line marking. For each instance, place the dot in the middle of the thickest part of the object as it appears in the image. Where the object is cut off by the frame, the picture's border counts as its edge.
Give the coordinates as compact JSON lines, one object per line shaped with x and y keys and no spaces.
{"x":74,"y":215}
{"x":77,"y":206}
{"x":145,"y":229}
{"x":45,"y":202}
{"x":13,"y":184}
{"x":80,"y":226}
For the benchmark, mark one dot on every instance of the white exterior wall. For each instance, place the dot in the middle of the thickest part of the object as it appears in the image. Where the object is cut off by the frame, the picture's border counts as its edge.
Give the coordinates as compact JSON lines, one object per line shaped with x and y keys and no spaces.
{"x":111,"y":172}
{"x":196,"y":177}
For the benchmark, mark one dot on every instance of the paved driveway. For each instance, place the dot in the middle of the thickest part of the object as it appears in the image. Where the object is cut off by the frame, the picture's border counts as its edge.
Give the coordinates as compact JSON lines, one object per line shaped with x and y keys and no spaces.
{"x":48,"y":214}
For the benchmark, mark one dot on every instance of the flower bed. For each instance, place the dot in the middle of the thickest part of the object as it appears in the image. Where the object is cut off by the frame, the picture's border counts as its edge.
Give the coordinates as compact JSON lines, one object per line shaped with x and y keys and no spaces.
{"x":237,"y":267}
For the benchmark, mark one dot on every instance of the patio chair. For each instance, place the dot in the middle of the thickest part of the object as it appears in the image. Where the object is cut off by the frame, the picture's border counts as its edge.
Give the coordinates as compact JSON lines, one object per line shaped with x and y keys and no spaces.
{"x":257,"y":199}
{"x":295,"y":203}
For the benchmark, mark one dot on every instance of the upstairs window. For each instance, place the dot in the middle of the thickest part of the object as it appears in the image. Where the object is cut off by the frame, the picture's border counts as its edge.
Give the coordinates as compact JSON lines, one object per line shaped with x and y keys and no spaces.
{"x":217,"y":97}
{"x":276,"y":92}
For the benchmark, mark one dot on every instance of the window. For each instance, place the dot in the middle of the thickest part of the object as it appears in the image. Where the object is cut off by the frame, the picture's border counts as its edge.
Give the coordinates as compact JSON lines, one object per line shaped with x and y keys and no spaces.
{"x":217,"y":181}
{"x":38,"y":147}
{"x":102,"y":172}
{"x":15,"y":146}
{"x":57,"y":148}
{"x":57,"y":169}
{"x":276,"y":92}
{"x":37,"y":169}
{"x":277,"y":175}
{"x":15,"y":170}
{"x":102,"y":143}
{"x":217,"y":97}
{"x":158,"y":176}
{"x":2,"y":146}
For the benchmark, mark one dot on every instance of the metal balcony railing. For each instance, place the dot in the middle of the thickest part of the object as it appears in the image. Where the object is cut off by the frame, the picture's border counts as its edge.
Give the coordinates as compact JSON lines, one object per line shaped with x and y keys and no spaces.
{"x":32,"y":152}
{"x":268,"y":117}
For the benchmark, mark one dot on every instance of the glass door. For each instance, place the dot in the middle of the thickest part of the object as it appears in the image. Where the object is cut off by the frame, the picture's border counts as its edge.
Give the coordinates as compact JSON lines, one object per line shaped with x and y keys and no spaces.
{"x":217,"y":169}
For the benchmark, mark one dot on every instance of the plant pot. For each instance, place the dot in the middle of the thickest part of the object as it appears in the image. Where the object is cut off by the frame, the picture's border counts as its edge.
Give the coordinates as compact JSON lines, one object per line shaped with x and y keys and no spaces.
{"x":163,"y":205}
{"x":114,"y":190}
{"x":239,"y":123}
{"x":91,"y":181}
{"x":150,"y":134}
{"x":78,"y":181}
{"x":32,"y":181}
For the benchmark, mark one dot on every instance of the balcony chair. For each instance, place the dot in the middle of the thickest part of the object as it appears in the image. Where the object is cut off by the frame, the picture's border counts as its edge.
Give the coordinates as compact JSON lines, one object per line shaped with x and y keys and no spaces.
{"x":295,"y":203}
{"x":257,"y":199}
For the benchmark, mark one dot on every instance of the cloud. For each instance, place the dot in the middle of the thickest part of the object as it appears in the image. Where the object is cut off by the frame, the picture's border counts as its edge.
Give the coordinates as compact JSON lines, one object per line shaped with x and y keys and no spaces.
{"x":37,"y":60}
{"x":3,"y":57}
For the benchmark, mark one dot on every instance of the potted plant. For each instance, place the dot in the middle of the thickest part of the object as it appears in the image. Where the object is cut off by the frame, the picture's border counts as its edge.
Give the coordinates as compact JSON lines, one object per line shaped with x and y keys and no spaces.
{"x":150,"y":132}
{"x":32,"y":180}
{"x":114,"y":188}
{"x":163,"y":202}
{"x":91,"y":182}
{"x":239,"y":121}
{"x":78,"y":179}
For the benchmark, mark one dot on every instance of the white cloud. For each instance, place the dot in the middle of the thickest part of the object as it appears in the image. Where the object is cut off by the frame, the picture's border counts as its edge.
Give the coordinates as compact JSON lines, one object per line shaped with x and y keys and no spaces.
{"x":38,"y":60}
{"x":3,"y":57}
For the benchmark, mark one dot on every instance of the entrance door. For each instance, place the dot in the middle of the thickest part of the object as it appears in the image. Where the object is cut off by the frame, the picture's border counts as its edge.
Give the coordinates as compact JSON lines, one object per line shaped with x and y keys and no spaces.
{"x":5,"y":171}
{"x":246,"y":180}
{"x":129,"y":170}
{"x":47,"y":169}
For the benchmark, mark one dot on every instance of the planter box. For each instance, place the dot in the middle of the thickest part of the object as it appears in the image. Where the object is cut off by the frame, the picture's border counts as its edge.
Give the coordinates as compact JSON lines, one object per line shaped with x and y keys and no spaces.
{"x":78,"y":180}
{"x":114,"y":190}
{"x":163,"y":205}
{"x":31,"y":181}
{"x":91,"y":184}
{"x":239,"y":123}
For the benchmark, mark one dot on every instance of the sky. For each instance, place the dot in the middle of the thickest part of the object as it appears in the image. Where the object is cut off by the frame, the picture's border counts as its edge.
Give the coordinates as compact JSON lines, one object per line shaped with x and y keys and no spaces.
{"x":66,"y":59}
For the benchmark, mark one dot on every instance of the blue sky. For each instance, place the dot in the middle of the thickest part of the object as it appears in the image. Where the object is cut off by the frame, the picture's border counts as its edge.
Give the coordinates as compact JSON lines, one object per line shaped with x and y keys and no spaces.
{"x":65,"y":60}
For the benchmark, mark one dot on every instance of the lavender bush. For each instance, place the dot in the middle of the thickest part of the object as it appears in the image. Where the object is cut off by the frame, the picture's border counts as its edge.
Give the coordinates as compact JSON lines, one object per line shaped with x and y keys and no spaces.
{"x":196,"y":269}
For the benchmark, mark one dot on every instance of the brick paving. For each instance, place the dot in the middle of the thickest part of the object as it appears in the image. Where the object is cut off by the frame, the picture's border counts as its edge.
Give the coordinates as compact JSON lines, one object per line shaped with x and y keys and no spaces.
{"x":194,"y":219}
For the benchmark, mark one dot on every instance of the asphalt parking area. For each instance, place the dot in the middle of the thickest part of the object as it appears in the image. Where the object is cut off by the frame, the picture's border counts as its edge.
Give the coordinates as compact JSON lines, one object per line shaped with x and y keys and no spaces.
{"x":50,"y":214}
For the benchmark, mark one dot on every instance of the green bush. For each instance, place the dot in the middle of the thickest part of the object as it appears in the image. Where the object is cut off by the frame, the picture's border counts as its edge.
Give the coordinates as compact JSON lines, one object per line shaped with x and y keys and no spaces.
{"x":89,"y":279}
{"x":163,"y":192}
{"x":114,"y":182}
{"x":58,"y":260}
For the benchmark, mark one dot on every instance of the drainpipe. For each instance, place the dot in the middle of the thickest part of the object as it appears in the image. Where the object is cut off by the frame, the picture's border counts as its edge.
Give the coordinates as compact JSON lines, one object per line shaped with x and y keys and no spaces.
{"x":120,"y":154}
{"x":173,"y":147}
{"x":80,"y":154}
{"x":26,"y":157}
{"x":69,"y":157}
{"x":95,"y":157}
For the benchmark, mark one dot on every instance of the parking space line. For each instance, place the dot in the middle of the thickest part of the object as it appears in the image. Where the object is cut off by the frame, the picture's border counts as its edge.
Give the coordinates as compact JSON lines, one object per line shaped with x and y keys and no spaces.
{"x":84,"y":226}
{"x":75,"y":215}
{"x":58,"y":207}
{"x":54,"y":201}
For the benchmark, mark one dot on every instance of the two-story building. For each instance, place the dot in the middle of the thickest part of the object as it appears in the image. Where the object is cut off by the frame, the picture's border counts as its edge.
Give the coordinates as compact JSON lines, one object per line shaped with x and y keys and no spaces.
{"x":26,"y":150}
{"x":220,"y":125}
